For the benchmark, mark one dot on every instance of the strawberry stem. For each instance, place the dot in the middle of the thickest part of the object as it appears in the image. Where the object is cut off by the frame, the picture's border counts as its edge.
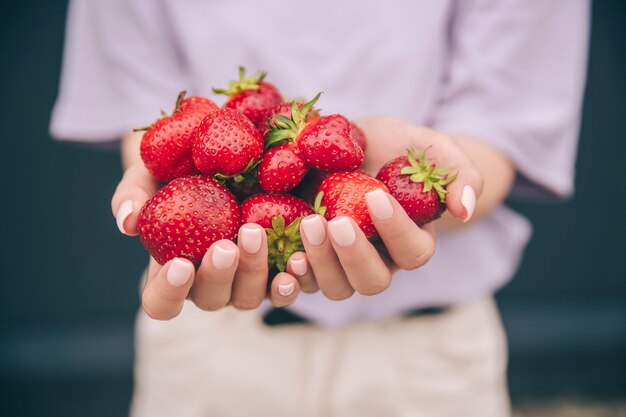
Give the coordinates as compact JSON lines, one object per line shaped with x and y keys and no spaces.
{"x":242,"y":84}
{"x":422,"y":170}
{"x":286,"y":129}
{"x":283,"y":241}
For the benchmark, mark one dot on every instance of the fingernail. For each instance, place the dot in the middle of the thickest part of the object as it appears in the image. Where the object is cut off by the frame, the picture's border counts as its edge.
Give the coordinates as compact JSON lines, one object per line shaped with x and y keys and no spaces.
{"x":222,"y":257}
{"x":379,"y":204}
{"x":342,"y":231}
{"x":251,"y":239}
{"x":298,"y":266}
{"x":468,"y":200}
{"x":313,"y":229}
{"x":179,"y":272}
{"x":286,"y":289}
{"x":125,"y":209}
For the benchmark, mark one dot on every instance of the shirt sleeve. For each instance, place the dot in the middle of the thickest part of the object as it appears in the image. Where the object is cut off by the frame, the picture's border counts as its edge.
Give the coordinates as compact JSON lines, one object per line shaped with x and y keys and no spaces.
{"x":515,"y":79}
{"x":120,"y":67}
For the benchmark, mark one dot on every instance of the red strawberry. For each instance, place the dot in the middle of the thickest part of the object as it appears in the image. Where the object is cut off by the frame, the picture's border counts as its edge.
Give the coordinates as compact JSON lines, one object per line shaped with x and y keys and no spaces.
{"x":282,"y":168}
{"x":186,"y":216}
{"x":343,"y":194}
{"x":418,"y":185}
{"x":283,"y":109}
{"x":197,"y":103}
{"x":166,"y":145}
{"x":226,"y":143}
{"x":252,"y":96}
{"x":325,"y":142}
{"x":359,"y":136}
{"x":280,"y":215}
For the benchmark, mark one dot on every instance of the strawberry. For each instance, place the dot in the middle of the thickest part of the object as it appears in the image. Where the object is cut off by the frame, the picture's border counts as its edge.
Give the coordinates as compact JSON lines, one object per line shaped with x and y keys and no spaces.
{"x":186,"y":216}
{"x":166,"y":145}
{"x":226,"y":144}
{"x":282,"y":168}
{"x":283,"y":109}
{"x":325,"y":142}
{"x":251,"y":96}
{"x":280,"y":215}
{"x":343,"y":194}
{"x":359,"y":136}
{"x":418,"y":185}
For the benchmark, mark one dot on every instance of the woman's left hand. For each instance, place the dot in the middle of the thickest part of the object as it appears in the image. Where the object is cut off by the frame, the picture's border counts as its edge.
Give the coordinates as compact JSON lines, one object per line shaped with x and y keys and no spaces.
{"x":339,"y":258}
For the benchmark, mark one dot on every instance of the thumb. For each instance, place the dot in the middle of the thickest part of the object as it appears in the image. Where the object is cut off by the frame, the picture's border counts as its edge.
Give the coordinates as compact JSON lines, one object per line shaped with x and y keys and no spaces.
{"x":135,"y":188}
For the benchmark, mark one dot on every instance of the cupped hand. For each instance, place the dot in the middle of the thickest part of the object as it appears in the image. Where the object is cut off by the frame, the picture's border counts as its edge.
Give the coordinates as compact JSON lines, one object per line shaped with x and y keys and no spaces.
{"x":339,"y":257}
{"x":229,"y":273}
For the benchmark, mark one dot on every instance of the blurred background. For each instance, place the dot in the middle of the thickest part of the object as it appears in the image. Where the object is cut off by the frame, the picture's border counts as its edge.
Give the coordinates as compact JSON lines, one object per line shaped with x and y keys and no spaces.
{"x":68,"y":292}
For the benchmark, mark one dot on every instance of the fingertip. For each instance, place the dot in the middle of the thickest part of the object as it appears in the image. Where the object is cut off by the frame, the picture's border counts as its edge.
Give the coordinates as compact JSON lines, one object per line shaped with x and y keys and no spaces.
{"x":468,"y":201}
{"x":179,"y":272}
{"x":313,"y":229}
{"x":251,"y":237}
{"x":285,"y":289}
{"x":224,"y":254}
{"x":298,"y":264}
{"x":379,"y":204}
{"x":123,"y":212}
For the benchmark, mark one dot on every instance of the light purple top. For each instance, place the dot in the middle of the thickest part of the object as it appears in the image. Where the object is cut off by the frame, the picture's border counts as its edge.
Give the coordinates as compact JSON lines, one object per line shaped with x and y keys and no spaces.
{"x":510,"y":72}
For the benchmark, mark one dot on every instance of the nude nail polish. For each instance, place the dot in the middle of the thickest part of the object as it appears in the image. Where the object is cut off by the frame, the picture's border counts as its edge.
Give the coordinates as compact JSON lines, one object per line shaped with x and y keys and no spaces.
{"x":222,"y":257}
{"x":313,"y":229}
{"x":468,"y":200}
{"x":379,"y":205}
{"x":286,"y":289}
{"x":179,"y":272}
{"x":342,"y":231}
{"x":298,"y":266}
{"x":124,"y":210}
{"x":251,"y":239}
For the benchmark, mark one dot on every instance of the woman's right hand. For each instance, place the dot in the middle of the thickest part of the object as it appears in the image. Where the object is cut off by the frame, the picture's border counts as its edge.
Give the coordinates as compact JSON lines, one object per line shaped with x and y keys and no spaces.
{"x":229,"y":274}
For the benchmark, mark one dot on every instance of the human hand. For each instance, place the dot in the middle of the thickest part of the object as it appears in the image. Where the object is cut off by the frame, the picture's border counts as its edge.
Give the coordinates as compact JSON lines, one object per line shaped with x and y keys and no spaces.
{"x":341,"y":258}
{"x":229,"y":273}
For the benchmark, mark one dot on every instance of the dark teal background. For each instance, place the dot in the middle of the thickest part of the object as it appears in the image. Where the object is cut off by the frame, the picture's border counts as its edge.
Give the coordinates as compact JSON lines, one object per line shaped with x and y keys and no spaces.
{"x":68,"y":291}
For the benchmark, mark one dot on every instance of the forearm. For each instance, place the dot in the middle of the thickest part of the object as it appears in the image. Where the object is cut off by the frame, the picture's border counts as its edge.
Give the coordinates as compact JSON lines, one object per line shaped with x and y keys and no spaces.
{"x":498,"y":173}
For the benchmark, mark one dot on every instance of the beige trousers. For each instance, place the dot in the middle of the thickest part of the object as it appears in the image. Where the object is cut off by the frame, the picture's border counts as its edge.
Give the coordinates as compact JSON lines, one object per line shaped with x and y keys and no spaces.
{"x":229,"y":363}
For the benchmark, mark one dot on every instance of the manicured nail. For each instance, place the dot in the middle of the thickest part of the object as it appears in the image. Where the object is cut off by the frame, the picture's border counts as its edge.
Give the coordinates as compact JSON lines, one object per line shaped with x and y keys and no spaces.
{"x":468,"y":200}
{"x":251,"y":239}
{"x":125,"y":210}
{"x":222,"y":257}
{"x":342,"y":231}
{"x":379,"y":204}
{"x":298,"y":266}
{"x":313,"y":229}
{"x":286,"y":289}
{"x":179,"y":272}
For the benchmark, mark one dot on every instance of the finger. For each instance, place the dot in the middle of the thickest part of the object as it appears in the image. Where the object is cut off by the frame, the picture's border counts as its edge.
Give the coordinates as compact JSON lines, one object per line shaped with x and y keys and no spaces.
{"x":284,"y":290}
{"x":323,"y":260}
{"x":135,"y":188}
{"x":409,"y":246}
{"x":250,"y":282}
{"x":213,"y":282}
{"x":298,"y":266}
{"x":366,"y":271}
{"x":166,"y":288}
{"x":463,"y":192}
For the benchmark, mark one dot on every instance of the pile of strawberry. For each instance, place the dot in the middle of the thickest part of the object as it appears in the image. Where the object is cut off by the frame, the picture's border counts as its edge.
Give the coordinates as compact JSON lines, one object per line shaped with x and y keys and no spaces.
{"x":264,"y":160}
